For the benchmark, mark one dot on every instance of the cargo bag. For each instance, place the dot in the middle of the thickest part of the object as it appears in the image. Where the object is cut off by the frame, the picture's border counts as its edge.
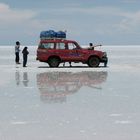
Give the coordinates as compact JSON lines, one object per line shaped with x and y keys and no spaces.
{"x":51,"y":34}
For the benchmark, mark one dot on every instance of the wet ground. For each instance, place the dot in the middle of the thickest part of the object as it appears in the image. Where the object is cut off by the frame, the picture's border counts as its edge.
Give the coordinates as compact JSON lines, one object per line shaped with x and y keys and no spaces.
{"x":77,"y":103}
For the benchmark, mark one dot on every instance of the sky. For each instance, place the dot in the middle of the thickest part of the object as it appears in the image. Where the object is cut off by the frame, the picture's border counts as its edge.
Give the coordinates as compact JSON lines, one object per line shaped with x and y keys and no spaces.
{"x":105,"y":22}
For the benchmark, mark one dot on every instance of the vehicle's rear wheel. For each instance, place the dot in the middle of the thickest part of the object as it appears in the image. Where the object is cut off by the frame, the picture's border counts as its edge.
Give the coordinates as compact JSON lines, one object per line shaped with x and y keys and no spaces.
{"x":53,"y":62}
{"x":93,"y":61}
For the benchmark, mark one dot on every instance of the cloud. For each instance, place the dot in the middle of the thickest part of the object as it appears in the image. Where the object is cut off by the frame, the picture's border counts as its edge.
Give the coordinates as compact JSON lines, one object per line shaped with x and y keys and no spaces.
{"x":130,"y":22}
{"x":112,"y":19}
{"x":97,"y":20}
{"x":18,"y":24}
{"x":130,"y":1}
{"x":83,"y":22}
{"x":103,"y":19}
{"x":11,"y":16}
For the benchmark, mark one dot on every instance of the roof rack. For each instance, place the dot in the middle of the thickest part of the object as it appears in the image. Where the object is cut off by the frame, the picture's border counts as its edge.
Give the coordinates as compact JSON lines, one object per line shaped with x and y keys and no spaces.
{"x":49,"y":38}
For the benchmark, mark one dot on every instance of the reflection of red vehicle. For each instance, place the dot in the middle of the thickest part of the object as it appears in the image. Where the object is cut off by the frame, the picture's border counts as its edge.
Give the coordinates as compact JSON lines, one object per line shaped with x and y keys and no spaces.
{"x":54,"y":86}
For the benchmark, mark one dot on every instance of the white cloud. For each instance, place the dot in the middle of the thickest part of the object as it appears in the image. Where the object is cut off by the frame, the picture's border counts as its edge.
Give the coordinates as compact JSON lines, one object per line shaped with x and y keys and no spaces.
{"x":120,"y":20}
{"x":117,"y":19}
{"x":14,"y":16}
{"x":96,"y":20}
{"x":110,"y":19}
{"x":130,"y":22}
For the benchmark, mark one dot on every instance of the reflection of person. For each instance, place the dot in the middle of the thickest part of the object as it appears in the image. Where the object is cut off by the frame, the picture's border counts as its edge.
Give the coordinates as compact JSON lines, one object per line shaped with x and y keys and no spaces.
{"x":17,"y":50}
{"x":17,"y":78}
{"x":25,"y":54}
{"x":25,"y":79}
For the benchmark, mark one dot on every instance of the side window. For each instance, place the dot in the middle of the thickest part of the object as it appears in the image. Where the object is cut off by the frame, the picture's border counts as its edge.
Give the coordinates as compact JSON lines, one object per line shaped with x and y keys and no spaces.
{"x":47,"y":45}
{"x":60,"y":46}
{"x":71,"y":46}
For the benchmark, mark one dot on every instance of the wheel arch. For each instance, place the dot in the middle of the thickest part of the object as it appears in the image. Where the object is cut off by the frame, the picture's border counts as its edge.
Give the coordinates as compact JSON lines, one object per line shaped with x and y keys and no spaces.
{"x":54,"y":56}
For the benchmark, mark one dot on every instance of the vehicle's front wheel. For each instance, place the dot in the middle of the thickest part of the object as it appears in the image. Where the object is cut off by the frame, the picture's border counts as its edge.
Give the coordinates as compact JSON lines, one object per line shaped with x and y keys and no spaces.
{"x":53,"y":62}
{"x":93,"y":61}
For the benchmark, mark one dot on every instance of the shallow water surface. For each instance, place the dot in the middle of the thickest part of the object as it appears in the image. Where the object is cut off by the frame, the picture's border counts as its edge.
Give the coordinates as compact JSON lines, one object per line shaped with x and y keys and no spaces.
{"x":77,"y":103}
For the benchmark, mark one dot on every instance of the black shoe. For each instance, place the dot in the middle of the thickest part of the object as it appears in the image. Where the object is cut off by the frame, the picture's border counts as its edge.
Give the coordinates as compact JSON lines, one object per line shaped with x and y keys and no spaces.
{"x":18,"y":63}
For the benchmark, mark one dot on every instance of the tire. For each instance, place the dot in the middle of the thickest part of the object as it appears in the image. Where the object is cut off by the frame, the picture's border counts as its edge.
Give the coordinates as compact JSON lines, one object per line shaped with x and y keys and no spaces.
{"x":93,"y":61}
{"x":53,"y":62}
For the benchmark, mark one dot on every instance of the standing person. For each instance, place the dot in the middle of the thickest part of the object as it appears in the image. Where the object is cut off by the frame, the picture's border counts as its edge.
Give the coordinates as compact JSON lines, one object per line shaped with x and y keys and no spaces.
{"x":25,"y":54}
{"x":17,"y":50}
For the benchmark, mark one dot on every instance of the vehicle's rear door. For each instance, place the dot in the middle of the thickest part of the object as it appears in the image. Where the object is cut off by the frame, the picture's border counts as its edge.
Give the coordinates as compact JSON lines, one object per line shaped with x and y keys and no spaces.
{"x":62,"y":51}
{"x":45,"y":50}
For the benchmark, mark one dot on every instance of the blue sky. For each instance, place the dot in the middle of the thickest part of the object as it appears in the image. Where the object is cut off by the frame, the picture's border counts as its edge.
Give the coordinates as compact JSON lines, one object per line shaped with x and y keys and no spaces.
{"x":98,"y":21}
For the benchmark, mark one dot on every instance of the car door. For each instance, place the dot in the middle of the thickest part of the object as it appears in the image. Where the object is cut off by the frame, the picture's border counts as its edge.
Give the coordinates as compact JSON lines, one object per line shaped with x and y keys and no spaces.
{"x":62,"y":51}
{"x":74,"y":53}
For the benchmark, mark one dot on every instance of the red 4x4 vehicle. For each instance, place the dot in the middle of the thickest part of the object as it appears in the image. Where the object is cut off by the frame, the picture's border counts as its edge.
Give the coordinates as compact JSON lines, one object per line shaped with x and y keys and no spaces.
{"x":56,"y":51}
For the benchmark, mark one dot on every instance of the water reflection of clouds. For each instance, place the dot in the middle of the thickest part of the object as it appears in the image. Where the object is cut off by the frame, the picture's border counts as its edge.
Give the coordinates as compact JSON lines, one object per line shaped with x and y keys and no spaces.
{"x":24,"y":79}
{"x":55,"y":86}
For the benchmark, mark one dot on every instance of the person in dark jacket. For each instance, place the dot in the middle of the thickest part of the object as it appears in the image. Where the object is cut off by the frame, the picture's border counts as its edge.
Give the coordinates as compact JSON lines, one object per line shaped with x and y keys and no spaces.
{"x":25,"y":56}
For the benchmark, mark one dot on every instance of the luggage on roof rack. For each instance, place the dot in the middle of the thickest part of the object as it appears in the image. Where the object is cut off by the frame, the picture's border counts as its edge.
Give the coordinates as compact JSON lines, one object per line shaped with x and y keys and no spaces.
{"x":51,"y":34}
{"x":60,"y":34}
